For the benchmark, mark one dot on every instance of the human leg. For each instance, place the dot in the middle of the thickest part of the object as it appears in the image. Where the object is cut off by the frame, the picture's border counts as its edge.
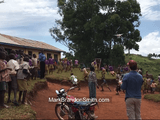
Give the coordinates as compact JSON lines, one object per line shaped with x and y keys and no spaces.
{"x":130,"y":108}
{"x":24,"y":96}
{"x":137,"y":109}
{"x":9,"y":92}
{"x":20,"y":94}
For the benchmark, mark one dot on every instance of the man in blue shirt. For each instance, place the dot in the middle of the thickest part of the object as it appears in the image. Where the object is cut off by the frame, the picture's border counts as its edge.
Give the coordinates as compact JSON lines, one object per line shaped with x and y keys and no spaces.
{"x":132,"y":83}
{"x":42,"y":59}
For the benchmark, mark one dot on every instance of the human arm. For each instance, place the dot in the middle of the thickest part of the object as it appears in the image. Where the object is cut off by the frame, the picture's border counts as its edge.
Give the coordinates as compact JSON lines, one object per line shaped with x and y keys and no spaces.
{"x":124,"y":83}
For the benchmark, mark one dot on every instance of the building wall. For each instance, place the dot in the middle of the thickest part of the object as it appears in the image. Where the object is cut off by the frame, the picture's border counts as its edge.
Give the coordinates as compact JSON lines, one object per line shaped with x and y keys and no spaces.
{"x":34,"y":51}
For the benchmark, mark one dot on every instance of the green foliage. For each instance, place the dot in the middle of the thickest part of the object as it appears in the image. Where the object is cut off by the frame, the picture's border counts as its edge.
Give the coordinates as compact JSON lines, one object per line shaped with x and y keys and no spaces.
{"x":154,"y":97}
{"x":117,"y":56}
{"x":78,"y":73}
{"x":90,"y":33}
{"x":150,"y":65}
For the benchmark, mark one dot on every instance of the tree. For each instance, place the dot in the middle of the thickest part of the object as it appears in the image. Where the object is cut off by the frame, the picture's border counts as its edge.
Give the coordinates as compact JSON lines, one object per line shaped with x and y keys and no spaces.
{"x":149,"y":55}
{"x":88,"y":27}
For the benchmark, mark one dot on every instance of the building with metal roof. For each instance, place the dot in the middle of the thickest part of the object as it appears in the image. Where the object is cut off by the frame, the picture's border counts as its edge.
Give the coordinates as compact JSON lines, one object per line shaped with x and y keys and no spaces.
{"x":29,"y":46}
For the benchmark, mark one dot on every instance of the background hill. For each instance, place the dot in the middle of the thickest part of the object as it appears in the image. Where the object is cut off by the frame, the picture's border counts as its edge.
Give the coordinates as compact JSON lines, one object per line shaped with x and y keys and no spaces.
{"x":150,"y":65}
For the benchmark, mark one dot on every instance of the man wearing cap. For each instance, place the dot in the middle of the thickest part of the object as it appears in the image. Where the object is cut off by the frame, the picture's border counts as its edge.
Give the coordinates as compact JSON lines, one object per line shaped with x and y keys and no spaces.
{"x":132,"y":83}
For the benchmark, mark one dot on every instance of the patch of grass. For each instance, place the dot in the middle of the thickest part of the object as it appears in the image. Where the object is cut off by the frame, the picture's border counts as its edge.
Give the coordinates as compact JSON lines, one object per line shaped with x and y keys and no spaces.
{"x":150,"y":65}
{"x":153,"y":97}
{"x":22,"y":111}
{"x":78,"y":73}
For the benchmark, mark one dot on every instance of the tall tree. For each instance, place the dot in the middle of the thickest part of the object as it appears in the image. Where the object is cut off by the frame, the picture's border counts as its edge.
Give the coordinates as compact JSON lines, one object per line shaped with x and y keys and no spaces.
{"x":88,"y":27}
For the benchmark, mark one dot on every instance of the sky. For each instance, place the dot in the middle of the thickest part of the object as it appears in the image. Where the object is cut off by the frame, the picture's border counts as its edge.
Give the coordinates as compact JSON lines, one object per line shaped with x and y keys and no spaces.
{"x":32,"y":19}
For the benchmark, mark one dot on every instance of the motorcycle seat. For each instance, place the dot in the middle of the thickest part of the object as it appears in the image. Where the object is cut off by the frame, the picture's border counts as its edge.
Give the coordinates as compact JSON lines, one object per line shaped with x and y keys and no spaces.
{"x":84,"y":104}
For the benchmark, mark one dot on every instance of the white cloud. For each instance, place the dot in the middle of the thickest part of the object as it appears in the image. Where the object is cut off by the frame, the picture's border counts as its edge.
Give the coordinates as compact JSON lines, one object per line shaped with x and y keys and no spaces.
{"x":149,"y":44}
{"x":16,"y":13}
{"x":28,"y":17}
{"x":147,"y":9}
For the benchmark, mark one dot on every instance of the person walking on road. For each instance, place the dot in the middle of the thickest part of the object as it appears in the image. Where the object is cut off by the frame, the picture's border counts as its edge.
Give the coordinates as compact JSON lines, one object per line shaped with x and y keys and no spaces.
{"x":132,"y":83}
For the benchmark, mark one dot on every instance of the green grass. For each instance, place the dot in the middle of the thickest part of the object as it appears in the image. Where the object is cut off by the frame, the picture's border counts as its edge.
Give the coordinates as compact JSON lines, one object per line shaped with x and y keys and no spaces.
{"x":150,"y":65}
{"x":78,"y":73}
{"x":153,"y":97}
{"x":22,"y":111}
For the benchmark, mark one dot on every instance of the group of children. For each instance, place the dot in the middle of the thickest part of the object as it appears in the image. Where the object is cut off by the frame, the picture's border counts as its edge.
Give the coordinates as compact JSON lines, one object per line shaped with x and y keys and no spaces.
{"x":15,"y":71}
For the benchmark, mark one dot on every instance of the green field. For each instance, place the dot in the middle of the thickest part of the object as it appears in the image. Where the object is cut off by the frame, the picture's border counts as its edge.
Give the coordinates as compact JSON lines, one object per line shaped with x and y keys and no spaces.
{"x":78,"y":73}
{"x":150,"y":65}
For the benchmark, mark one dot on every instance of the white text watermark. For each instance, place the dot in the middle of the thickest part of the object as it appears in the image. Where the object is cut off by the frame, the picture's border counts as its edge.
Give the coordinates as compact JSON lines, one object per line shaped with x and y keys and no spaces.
{"x":84,"y":99}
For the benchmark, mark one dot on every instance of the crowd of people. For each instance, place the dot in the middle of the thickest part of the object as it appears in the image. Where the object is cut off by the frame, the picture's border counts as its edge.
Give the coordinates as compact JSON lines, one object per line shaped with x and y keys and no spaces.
{"x":17,"y":67}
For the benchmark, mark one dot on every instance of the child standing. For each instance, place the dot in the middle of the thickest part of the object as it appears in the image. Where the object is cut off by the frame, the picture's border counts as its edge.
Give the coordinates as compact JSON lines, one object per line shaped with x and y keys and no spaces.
{"x":153,"y":86}
{"x":104,"y":81}
{"x":118,"y":88}
{"x":74,"y":80}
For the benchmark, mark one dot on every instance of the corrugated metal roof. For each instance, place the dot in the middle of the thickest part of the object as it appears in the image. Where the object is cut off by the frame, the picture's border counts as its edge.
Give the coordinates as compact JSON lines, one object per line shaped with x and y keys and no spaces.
{"x":27,"y":43}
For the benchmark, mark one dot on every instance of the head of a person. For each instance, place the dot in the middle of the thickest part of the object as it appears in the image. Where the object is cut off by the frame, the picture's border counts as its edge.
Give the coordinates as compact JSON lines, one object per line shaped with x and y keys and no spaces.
{"x":13,"y":52}
{"x":152,"y":78}
{"x":153,"y":81}
{"x":12,"y":56}
{"x":92,"y":69}
{"x":34,"y":56}
{"x":71,"y":73}
{"x":133,"y":65}
{"x":42,"y":51}
{"x":26,"y":59}
{"x":2,"y":55}
{"x":2,"y":48}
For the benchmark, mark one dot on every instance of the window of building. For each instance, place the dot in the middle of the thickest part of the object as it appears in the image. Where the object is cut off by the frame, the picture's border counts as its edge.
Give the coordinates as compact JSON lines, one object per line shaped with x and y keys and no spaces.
{"x":30,"y":53}
{"x":48,"y":55}
{"x":55,"y":56}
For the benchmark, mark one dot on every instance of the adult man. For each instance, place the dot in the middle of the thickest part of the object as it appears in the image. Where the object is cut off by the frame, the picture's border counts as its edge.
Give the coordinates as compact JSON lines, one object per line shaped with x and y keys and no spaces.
{"x":42,"y":59}
{"x":132,"y":83}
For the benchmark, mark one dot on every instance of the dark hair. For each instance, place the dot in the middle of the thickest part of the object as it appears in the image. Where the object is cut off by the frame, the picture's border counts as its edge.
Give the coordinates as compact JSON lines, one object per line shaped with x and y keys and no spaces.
{"x":92,"y":68}
{"x":71,"y":73}
{"x":2,"y":55}
{"x":26,"y":59}
{"x":34,"y":55}
{"x":12,"y":56}
{"x":13,"y":52}
{"x":133,"y":67}
{"x":2,"y":48}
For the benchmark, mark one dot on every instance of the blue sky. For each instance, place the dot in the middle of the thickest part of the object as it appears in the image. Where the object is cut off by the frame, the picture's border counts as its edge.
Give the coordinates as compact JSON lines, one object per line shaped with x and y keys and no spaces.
{"x":31,"y":19}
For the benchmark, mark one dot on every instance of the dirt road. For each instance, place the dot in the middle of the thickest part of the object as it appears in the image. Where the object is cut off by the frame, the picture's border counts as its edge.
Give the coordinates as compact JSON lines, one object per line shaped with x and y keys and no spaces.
{"x":115,"y":109}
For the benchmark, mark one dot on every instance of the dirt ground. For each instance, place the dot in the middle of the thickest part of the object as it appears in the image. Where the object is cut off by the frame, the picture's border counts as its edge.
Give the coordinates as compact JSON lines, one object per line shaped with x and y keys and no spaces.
{"x":116,"y":109}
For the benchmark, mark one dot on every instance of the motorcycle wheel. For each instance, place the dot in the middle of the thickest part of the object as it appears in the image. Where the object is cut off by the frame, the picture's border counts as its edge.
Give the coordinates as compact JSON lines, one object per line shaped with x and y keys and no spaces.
{"x":61,"y":112}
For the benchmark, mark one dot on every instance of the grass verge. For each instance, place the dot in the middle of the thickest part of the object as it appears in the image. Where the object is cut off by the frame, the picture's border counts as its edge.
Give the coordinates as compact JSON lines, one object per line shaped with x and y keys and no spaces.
{"x":22,"y":111}
{"x":78,"y":73}
{"x":153,"y":97}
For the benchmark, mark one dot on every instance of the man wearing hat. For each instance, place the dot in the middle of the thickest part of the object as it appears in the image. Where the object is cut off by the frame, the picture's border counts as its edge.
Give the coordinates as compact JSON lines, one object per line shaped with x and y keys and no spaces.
{"x":132,"y":83}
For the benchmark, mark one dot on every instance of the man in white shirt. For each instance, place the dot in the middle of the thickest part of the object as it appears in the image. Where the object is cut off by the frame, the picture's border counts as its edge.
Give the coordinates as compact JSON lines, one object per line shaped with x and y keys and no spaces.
{"x":12,"y":85}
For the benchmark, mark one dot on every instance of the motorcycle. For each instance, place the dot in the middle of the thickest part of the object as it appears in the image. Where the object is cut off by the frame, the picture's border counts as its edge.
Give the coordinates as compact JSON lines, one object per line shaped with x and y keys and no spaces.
{"x":69,"y":108}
